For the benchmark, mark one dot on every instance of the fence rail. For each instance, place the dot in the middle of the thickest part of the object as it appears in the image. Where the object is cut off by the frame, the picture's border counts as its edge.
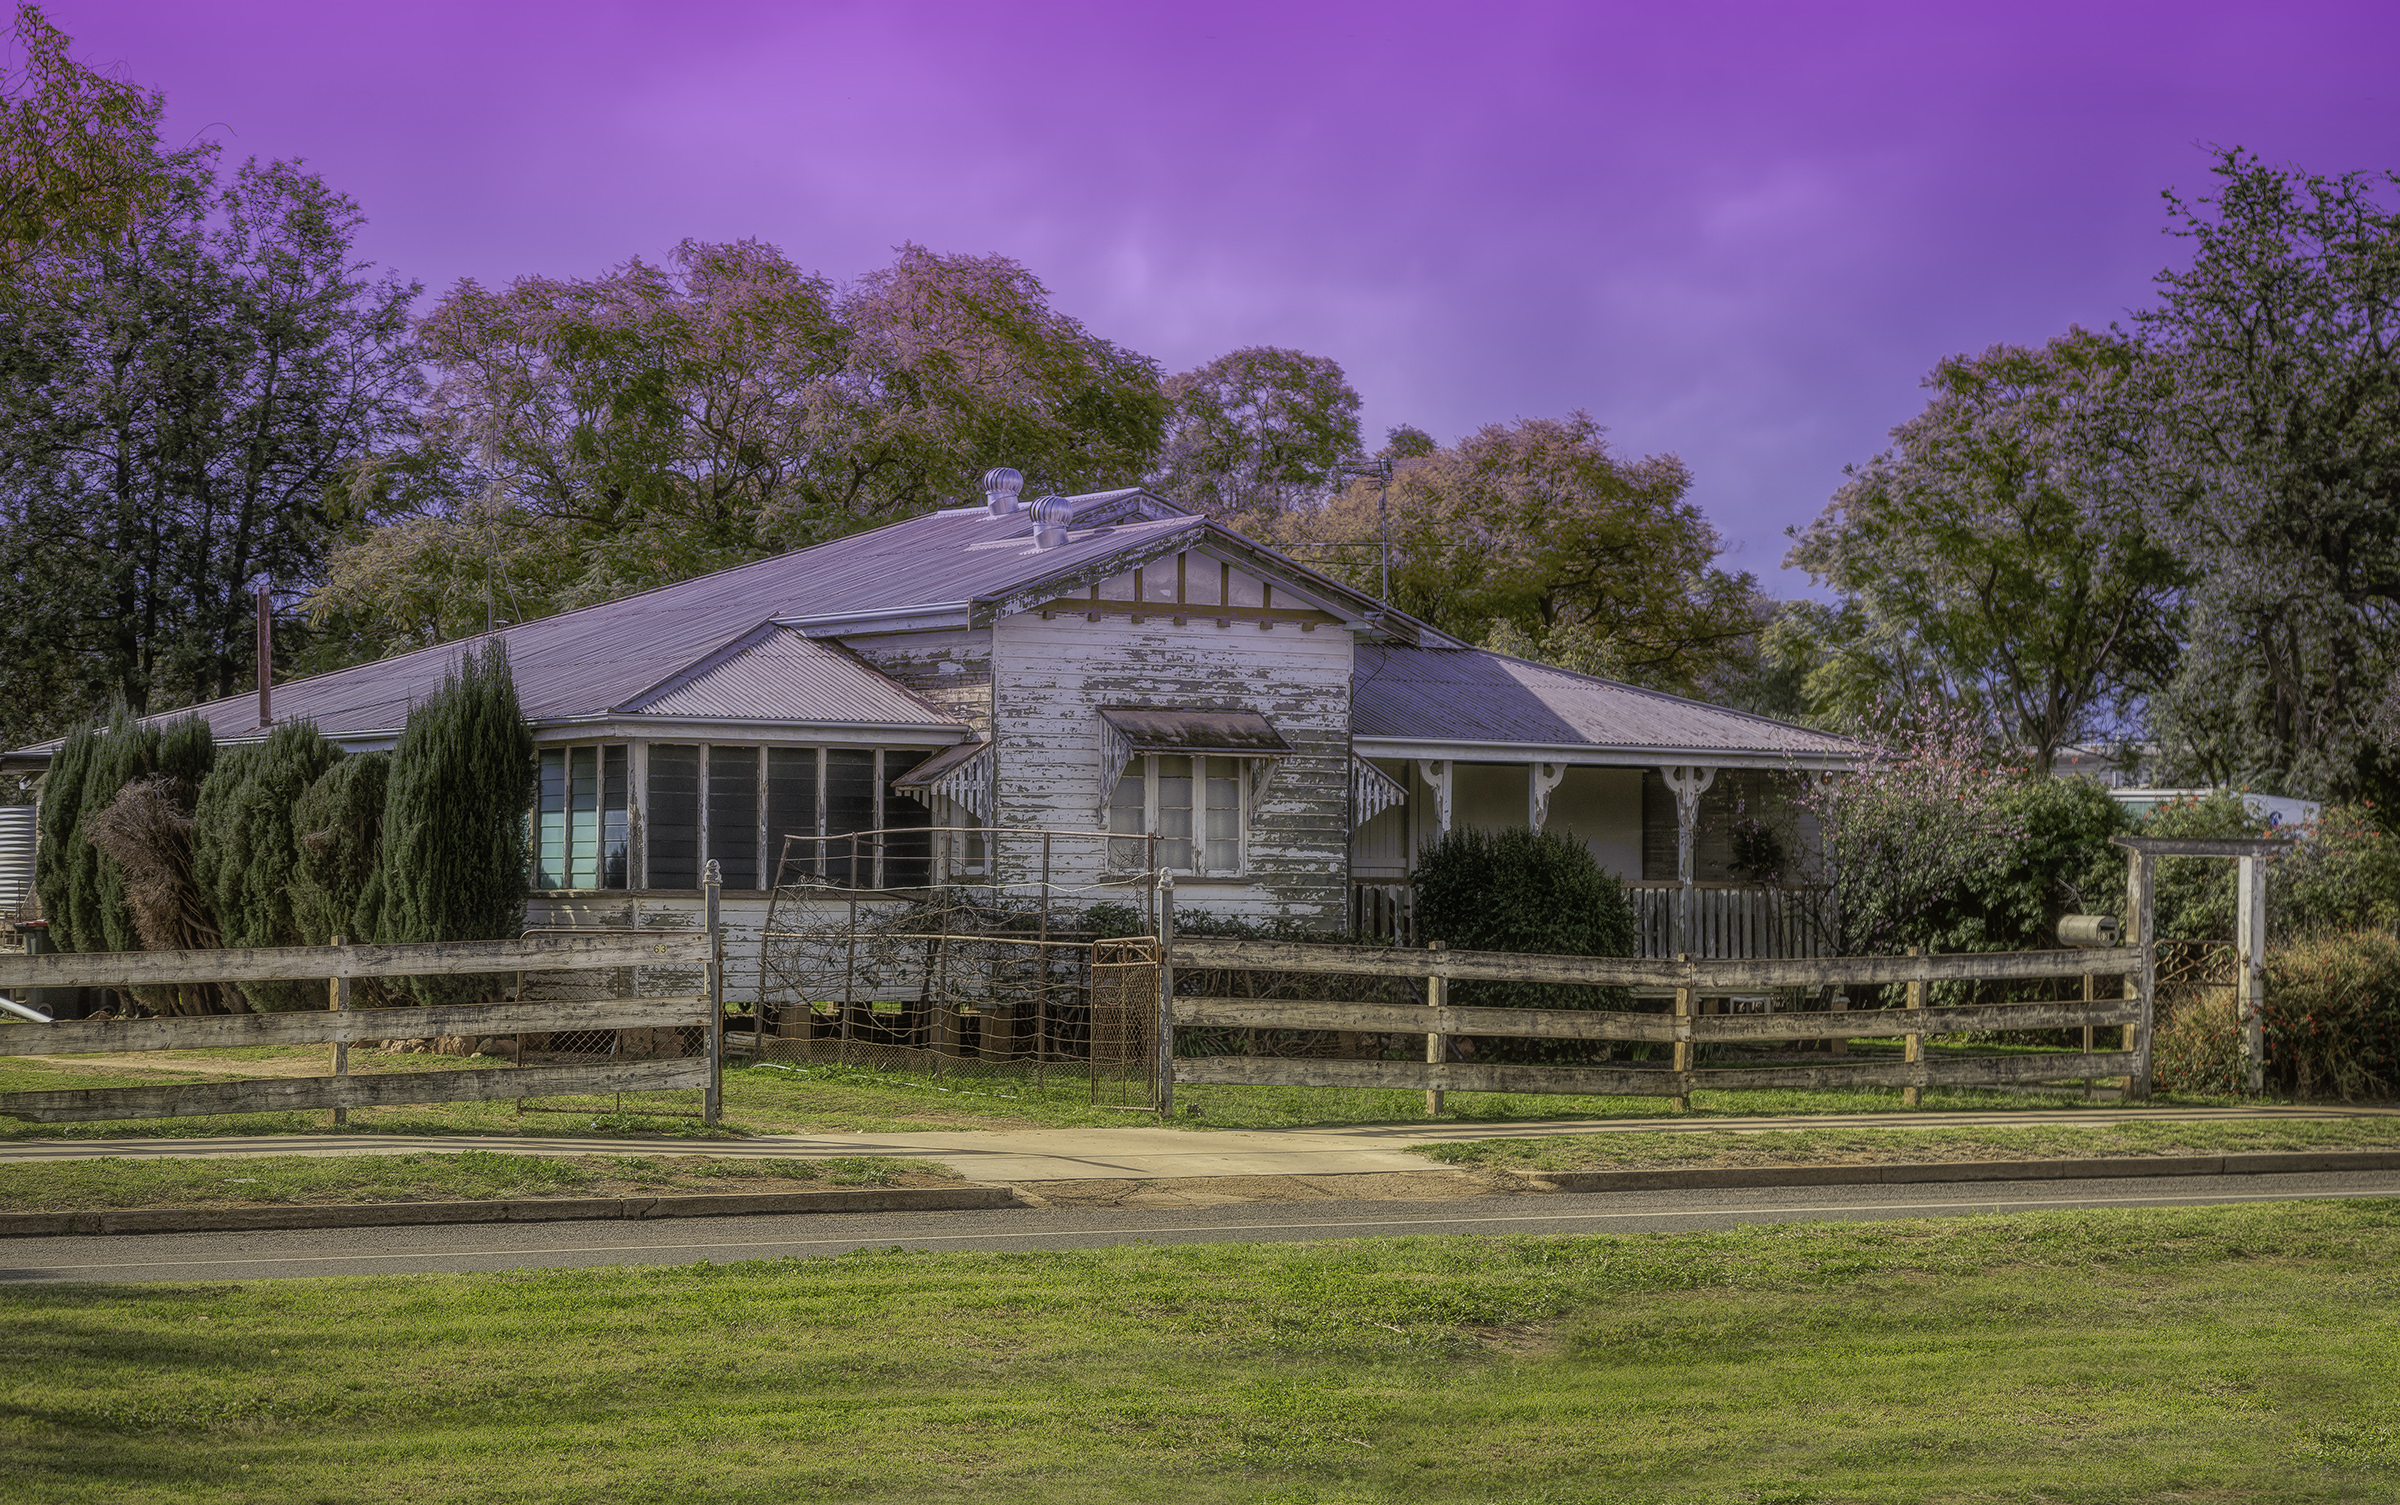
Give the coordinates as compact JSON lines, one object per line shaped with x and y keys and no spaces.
{"x":1713,"y":977}
{"x":1692,"y":982}
{"x":341,"y":1026}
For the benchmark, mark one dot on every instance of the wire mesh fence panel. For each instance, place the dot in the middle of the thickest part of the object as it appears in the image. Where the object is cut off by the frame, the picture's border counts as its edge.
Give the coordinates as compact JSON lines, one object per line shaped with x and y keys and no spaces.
{"x":982,"y":969}
{"x":568,"y":991}
{"x":1124,"y":1024}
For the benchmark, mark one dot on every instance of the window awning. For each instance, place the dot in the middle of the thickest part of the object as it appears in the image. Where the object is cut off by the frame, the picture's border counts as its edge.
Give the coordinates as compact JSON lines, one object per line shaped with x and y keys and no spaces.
{"x":963,"y":774}
{"x":1126,"y":732}
{"x":1226,"y":734}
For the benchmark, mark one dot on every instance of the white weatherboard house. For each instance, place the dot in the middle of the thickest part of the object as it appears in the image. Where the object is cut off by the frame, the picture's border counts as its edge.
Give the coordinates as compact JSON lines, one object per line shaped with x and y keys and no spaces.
{"x":1095,"y":664}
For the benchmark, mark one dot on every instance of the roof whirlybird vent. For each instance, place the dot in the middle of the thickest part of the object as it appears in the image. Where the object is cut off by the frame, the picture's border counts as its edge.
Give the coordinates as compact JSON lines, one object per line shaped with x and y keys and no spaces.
{"x":1000,"y":487}
{"x":1051,"y":517}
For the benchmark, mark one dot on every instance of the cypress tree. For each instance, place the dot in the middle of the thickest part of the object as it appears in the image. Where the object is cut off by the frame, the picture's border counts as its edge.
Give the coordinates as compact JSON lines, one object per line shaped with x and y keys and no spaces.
{"x":248,"y":850}
{"x":454,"y":834}
{"x":82,"y":889}
{"x":61,"y":809}
{"x":340,"y":821}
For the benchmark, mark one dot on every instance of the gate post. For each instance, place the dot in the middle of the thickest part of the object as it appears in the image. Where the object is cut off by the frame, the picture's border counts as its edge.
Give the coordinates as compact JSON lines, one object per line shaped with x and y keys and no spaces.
{"x":2250,"y":983}
{"x":712,"y":885}
{"x":1166,"y":996}
{"x":2140,"y":897}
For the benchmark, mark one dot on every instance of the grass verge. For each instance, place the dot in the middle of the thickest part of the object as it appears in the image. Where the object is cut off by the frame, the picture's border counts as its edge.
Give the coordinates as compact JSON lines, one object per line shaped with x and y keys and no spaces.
{"x":474,"y":1176}
{"x":2214,"y":1354}
{"x":1695,"y":1149}
{"x":778,"y":1099}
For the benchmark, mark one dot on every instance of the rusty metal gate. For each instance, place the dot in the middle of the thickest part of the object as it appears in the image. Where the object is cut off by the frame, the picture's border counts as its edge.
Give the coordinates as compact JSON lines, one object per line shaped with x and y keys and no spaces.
{"x":1125,"y":1023}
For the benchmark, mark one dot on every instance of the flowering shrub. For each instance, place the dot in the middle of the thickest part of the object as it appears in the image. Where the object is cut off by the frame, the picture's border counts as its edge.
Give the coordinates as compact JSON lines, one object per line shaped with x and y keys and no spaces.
{"x":2333,"y":1015}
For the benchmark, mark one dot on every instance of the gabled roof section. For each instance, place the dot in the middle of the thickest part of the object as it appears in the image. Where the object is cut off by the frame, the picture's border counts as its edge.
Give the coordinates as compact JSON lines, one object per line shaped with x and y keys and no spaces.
{"x":1469,"y":697}
{"x":958,"y":567}
{"x":779,"y":674}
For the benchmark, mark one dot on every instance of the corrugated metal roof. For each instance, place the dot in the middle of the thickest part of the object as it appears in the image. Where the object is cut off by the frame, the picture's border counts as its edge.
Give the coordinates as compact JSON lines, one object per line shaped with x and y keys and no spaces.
{"x":1468,"y":695}
{"x":587,"y":662}
{"x":780,"y":674}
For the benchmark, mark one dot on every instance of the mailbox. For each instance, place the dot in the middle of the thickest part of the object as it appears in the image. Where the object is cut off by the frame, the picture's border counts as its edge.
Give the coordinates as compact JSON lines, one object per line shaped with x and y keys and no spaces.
{"x":2092,"y":931}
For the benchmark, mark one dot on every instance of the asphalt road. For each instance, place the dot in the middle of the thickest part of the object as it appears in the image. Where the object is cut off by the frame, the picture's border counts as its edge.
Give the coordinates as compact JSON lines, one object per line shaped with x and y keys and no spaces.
{"x":396,"y":1251}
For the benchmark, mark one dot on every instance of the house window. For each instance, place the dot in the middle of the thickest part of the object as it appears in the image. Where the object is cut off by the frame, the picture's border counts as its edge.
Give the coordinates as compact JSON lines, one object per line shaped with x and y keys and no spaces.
{"x":581,"y":824}
{"x":739,"y":805}
{"x":1192,"y":804}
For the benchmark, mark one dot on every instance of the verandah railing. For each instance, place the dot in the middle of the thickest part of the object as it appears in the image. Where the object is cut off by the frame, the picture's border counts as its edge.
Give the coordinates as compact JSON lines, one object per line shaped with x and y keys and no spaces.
{"x":1710,"y":920}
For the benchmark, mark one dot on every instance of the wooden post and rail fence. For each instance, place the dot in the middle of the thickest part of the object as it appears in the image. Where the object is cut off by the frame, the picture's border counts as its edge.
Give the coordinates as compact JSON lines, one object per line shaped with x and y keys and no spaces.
{"x":1693,"y":983}
{"x":340,"y":1025}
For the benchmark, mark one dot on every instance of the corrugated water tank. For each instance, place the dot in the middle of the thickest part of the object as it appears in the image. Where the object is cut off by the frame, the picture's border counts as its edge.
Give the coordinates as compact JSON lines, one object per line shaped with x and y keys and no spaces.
{"x":16,"y":856}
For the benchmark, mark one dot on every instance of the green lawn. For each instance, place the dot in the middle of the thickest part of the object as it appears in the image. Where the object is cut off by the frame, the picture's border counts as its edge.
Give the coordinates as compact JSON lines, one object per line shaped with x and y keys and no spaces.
{"x":777,"y":1099}
{"x":471,"y":1176}
{"x":1619,"y":1150}
{"x":2222,"y":1354}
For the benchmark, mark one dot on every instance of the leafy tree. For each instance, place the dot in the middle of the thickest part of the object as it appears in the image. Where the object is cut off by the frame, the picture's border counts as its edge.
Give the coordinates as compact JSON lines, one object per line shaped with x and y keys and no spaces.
{"x":1538,"y":525}
{"x":247,"y":852}
{"x":174,"y":405}
{"x":1255,"y":431}
{"x":1996,"y":556}
{"x":2278,"y":431}
{"x":589,"y":438}
{"x":79,"y":155}
{"x":453,"y":865}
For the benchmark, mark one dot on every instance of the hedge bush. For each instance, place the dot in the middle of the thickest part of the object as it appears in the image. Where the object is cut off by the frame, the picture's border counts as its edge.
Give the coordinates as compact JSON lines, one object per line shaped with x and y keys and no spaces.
{"x":82,"y":890}
{"x":454,"y":830}
{"x":246,"y":849}
{"x":2331,"y":1022}
{"x":340,"y":823}
{"x":1526,"y":891}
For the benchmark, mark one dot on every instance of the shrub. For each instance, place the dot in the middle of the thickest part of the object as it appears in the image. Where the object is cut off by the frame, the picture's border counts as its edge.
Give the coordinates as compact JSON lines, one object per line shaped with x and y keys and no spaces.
{"x":1912,"y":841}
{"x":1526,"y":891}
{"x":2332,"y":1018}
{"x":247,"y":850}
{"x":147,"y":832}
{"x":340,"y":823}
{"x":82,"y":889}
{"x":454,"y":856}
{"x":2193,"y":897}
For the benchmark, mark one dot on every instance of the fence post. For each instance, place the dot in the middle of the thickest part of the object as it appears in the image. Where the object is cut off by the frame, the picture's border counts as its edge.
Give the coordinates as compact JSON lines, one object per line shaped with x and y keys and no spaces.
{"x":338,"y":1001}
{"x":1041,"y":961}
{"x":1166,"y":996}
{"x":2250,"y":955}
{"x":712,"y":885}
{"x":1681,"y":1102}
{"x":2091,"y":994}
{"x":1437,"y":994}
{"x":2142,"y":983}
{"x":1913,"y":1096}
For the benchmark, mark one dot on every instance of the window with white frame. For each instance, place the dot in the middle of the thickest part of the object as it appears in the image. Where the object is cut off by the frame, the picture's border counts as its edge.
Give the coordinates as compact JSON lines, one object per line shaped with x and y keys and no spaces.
{"x":581,"y":821}
{"x":1194,"y":805}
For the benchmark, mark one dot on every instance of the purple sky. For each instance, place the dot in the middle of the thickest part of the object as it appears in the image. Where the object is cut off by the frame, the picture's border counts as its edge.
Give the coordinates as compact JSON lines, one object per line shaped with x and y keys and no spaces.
{"x":1738,"y":232}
